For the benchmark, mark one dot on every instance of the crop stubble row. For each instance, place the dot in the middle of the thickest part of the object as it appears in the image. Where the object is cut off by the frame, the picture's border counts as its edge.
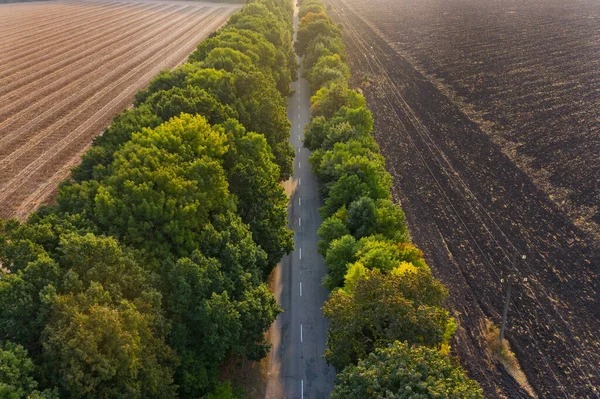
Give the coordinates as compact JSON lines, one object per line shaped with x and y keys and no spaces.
{"x":447,"y":196}
{"x":48,"y":119}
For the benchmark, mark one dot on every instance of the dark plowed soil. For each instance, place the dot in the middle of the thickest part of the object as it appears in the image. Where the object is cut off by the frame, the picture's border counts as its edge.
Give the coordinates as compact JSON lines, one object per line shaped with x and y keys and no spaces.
{"x":472,"y":209}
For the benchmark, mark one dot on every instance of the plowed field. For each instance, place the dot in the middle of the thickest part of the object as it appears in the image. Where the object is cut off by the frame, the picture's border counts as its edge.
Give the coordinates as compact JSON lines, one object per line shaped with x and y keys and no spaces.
{"x":487,"y":114}
{"x":67,"y":67}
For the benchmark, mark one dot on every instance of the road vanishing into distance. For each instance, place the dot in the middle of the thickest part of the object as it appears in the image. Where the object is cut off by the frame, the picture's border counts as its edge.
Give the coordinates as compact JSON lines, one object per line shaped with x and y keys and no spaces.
{"x":297,"y":369}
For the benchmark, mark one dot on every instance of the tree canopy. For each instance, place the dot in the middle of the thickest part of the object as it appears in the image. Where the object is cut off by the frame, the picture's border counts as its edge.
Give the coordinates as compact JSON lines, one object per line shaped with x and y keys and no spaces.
{"x":401,"y":371}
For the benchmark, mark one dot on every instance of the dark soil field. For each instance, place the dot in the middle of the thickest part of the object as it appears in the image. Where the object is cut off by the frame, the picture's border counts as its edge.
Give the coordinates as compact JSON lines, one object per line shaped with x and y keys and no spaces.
{"x":489,"y":120}
{"x":67,"y":67}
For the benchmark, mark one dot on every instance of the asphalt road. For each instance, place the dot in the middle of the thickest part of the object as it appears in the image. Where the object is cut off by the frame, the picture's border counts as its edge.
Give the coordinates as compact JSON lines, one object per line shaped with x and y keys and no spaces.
{"x":297,"y":369}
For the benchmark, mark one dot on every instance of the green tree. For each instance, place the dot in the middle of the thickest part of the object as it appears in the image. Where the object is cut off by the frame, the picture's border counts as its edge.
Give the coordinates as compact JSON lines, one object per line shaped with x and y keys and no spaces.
{"x":342,"y":251}
{"x":163,"y":187}
{"x":262,"y":202}
{"x":381,"y":308}
{"x":330,"y":99}
{"x":401,"y":371}
{"x":213,"y":316}
{"x":312,"y":26}
{"x":332,"y":228}
{"x":328,"y":69}
{"x":371,"y":217}
{"x":16,"y":371}
{"x":100,"y":155}
{"x":322,"y":46}
{"x":96,"y":348}
{"x":167,"y":104}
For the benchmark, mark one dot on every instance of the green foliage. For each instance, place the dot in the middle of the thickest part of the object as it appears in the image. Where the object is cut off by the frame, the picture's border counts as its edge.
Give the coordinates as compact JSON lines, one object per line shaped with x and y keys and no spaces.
{"x":313,"y":25}
{"x":306,"y":6}
{"x":332,"y":228}
{"x":322,"y":46}
{"x":224,"y":390}
{"x":194,"y":217}
{"x":328,"y":69}
{"x":347,"y":124}
{"x":382,"y":308}
{"x":371,"y":252}
{"x":163,"y":186}
{"x":341,"y":252}
{"x":167,"y":104}
{"x":388,"y":291}
{"x":100,"y":155}
{"x":212,"y":315}
{"x":401,"y":371}
{"x":377,"y":217}
{"x":352,"y":158}
{"x":262,"y":202}
{"x":98,"y":347}
{"x":329,"y":99}
{"x":16,"y":371}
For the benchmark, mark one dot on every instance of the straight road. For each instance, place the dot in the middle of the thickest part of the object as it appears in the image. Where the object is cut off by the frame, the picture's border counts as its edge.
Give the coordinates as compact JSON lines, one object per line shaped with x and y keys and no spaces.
{"x":297,"y":369}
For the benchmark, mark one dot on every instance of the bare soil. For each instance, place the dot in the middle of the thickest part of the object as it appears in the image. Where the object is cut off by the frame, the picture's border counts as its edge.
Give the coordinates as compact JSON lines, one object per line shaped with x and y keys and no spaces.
{"x":472,"y":206}
{"x":67,"y":67}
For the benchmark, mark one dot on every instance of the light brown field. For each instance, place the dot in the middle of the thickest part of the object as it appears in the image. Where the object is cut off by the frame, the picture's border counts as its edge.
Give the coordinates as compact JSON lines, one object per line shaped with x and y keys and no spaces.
{"x":67,"y":67}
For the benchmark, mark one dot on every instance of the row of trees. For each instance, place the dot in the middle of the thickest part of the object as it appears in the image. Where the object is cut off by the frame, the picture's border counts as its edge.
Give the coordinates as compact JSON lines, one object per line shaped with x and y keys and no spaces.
{"x":149,"y":272}
{"x":388,"y":330}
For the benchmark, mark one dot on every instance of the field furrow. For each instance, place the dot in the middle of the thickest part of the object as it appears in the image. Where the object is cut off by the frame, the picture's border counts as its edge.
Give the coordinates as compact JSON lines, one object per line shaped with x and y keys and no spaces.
{"x":100,"y":47}
{"x":26,"y":137}
{"x":22,"y":53}
{"x":27,"y":102}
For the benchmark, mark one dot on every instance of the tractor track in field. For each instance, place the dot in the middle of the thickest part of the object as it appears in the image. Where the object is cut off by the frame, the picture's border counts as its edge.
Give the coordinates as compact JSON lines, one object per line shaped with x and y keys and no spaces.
{"x":470,"y":208}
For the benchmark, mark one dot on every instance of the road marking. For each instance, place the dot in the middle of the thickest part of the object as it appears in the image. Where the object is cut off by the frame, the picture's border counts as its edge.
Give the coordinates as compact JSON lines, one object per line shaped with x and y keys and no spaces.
{"x":299,"y":165}
{"x":300,"y":288}
{"x":299,"y":182}
{"x":298,"y":137}
{"x":299,"y":201}
{"x":299,"y":221}
{"x":301,"y":333}
{"x":298,"y":150}
{"x":300,"y":253}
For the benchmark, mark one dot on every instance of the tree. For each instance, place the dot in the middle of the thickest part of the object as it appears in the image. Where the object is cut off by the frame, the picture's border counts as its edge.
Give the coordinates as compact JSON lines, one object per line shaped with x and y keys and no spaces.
{"x":16,"y":370}
{"x":166,"y":80}
{"x":347,"y":124}
{"x":330,"y":99}
{"x":381,"y":308}
{"x":262,"y":202}
{"x":401,"y":371}
{"x":341,"y":252}
{"x":331,"y":229}
{"x":315,"y":25}
{"x":328,"y":69}
{"x":167,"y":104}
{"x":352,"y":158}
{"x":163,"y":187}
{"x":96,"y":348}
{"x":322,"y":46}
{"x":100,"y":155}
{"x":369,"y":217}
{"x":212,"y":316}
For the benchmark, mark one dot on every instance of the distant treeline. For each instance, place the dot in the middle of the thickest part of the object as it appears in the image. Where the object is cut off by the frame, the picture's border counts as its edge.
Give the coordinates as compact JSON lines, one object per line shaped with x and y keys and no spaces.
{"x":388,"y":330}
{"x":150,"y":270}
